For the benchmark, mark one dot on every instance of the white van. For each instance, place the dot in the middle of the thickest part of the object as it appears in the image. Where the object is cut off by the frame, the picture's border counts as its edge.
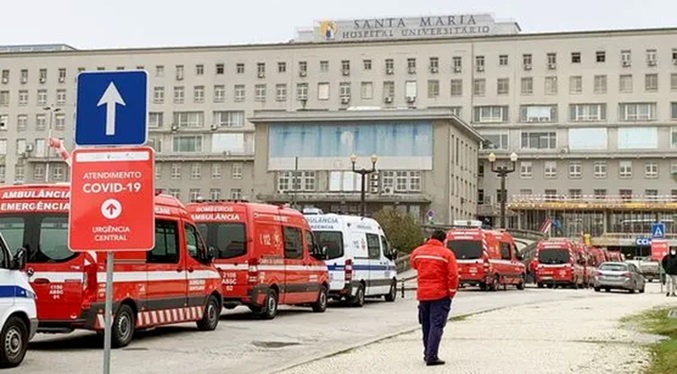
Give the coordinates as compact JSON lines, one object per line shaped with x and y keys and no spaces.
{"x":359,"y":257}
{"x":18,"y":314}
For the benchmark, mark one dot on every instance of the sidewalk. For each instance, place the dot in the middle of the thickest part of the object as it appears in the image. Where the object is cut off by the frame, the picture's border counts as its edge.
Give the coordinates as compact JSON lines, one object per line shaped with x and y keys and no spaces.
{"x":572,"y":336}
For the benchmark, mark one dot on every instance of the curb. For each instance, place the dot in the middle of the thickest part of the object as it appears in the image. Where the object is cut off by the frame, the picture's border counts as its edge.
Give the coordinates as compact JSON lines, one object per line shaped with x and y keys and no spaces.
{"x":350,"y":347}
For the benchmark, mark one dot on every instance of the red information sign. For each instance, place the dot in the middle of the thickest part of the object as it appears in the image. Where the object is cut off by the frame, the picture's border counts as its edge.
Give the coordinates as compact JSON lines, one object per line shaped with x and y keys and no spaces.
{"x":659,"y":248}
{"x":112,"y":200}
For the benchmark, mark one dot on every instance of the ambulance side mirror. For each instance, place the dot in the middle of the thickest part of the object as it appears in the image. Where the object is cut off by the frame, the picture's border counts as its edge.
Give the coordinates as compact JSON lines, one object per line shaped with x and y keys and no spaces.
{"x":519,"y":256}
{"x":211,"y":254}
{"x":20,"y":259}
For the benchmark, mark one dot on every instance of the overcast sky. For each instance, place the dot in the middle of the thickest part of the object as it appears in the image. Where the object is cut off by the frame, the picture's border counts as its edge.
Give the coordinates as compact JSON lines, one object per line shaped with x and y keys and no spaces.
{"x":154,"y":23}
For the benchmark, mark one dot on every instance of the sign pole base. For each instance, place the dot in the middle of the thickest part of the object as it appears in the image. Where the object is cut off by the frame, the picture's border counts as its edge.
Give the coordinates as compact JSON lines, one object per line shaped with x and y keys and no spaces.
{"x":108,"y":316}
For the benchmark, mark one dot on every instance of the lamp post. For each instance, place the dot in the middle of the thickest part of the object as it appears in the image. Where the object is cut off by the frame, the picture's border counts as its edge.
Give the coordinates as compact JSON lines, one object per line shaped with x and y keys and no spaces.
{"x":51,"y":109}
{"x":503,"y":171}
{"x":363,"y":173}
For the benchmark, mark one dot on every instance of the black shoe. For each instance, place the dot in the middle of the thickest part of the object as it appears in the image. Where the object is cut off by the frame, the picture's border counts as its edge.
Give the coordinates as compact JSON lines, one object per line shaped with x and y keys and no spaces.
{"x":435,"y":362}
{"x":667,"y":294}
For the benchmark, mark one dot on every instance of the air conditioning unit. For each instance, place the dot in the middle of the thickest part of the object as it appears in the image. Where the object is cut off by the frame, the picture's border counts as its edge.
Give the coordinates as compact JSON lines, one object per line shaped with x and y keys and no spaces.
{"x":24,"y":79}
{"x":480,"y":68}
{"x":527,"y":66}
{"x":29,"y":147}
{"x":345,"y":72}
{"x":3,"y":126}
{"x":226,"y":153}
{"x":552,"y":66}
{"x":179,"y":76}
{"x":388,"y":99}
{"x":434,"y":69}
{"x":627,"y":63}
{"x":261,"y":74}
{"x":488,"y":199}
{"x":345,"y":99}
{"x":62,"y":79}
{"x":674,"y":61}
{"x":412,"y":70}
{"x":388,"y":191}
{"x":564,"y":150}
{"x":651,"y":62}
{"x":457,"y":69}
{"x":5,"y":80}
{"x":390,"y":71}
{"x":280,"y":192}
{"x":175,"y":127}
{"x":303,"y":73}
{"x":411,"y":99}
{"x":43,"y":80}
{"x":214,"y":127}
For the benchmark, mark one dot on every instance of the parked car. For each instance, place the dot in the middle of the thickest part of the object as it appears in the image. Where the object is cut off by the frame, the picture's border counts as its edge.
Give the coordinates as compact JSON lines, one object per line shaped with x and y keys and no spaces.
{"x":619,"y":276}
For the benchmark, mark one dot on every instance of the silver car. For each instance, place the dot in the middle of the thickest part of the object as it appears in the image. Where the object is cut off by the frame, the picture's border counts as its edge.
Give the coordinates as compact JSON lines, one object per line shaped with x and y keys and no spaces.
{"x":618,"y":276}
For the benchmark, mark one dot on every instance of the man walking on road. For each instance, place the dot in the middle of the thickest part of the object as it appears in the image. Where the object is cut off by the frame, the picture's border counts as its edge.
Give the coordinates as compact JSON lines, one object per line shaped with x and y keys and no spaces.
{"x":669,"y":264}
{"x":437,"y":284}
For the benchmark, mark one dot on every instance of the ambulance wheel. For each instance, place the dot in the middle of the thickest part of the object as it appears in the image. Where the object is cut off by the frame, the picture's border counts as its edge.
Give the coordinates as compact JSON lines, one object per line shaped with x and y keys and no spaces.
{"x":210,"y":317}
{"x":520,"y":285}
{"x":14,"y":342}
{"x":269,"y":310}
{"x":597,"y":289}
{"x":494,"y":284}
{"x":358,"y":300}
{"x":320,"y":306}
{"x":483,"y":286}
{"x":541,"y":285}
{"x":392,"y":294}
{"x":123,"y":327}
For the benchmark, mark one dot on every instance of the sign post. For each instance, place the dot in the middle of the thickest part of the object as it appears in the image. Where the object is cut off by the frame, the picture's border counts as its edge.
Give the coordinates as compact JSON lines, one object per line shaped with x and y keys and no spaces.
{"x":658,"y":245}
{"x":112,"y":189}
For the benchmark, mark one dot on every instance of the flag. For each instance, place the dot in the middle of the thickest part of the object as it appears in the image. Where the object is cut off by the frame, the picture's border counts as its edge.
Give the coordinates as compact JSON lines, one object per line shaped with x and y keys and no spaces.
{"x":545,"y":227}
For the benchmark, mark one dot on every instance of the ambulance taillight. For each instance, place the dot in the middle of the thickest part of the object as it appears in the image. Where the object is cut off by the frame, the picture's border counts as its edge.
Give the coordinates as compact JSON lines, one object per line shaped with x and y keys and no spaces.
{"x":253,"y":271}
{"x":349,"y":270}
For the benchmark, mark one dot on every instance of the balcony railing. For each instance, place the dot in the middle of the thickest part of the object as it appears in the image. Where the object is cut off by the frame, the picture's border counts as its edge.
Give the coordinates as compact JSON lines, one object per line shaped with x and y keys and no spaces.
{"x":629,"y":202}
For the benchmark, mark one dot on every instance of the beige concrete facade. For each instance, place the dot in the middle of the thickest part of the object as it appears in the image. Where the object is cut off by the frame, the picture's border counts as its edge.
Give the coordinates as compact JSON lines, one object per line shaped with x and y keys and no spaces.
{"x":558,"y":97}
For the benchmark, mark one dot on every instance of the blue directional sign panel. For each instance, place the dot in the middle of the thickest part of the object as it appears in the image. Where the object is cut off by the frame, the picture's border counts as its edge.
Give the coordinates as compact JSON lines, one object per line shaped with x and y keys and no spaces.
{"x":112,"y":108}
{"x":658,"y":230}
{"x":643,"y":242}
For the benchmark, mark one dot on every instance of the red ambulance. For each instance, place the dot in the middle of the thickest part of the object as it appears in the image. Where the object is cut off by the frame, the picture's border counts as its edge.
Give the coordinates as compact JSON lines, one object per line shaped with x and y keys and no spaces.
{"x":173,"y":283}
{"x":559,"y":263}
{"x":267,"y":255}
{"x":486,"y":258}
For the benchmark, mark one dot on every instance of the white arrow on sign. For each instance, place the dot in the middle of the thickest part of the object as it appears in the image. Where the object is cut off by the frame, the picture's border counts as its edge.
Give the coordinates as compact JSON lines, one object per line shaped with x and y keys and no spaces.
{"x":110,"y":97}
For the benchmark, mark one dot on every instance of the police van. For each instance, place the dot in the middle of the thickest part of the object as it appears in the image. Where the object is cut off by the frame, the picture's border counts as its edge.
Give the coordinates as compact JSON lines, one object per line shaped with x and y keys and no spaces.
{"x":358,"y":256}
{"x":17,"y":307}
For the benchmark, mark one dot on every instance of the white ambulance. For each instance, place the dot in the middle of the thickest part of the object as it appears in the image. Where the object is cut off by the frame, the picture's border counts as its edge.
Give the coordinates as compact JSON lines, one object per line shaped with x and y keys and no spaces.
{"x":359,"y":257}
{"x":18,"y":314}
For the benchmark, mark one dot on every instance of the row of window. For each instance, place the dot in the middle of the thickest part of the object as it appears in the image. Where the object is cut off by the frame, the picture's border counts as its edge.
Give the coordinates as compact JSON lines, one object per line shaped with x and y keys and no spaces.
{"x":553,"y":195}
{"x":348,"y":181}
{"x":480,"y":62}
{"x":212,"y":193}
{"x":575,"y":169}
{"x":41,"y":95}
{"x":196,"y":169}
{"x":57,"y":173}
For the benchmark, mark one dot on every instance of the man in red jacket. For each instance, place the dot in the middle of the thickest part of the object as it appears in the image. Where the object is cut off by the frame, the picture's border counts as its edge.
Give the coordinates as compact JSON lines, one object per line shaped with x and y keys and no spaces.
{"x":437,"y":285}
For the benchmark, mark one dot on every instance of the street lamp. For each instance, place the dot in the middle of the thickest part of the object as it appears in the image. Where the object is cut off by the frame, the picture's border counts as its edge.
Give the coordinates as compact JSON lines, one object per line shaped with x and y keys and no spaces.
{"x":363,"y":173}
{"x":503,"y":171}
{"x":51,"y":109}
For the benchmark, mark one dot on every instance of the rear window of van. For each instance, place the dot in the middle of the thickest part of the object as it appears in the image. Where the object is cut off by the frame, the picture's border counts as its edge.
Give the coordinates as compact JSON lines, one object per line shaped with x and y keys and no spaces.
{"x":332,"y":240}
{"x":229,"y":239}
{"x":553,"y":256}
{"x":465,"y":249}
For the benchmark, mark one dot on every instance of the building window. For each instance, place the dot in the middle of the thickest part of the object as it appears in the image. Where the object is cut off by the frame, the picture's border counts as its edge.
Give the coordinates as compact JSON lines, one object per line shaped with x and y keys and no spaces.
{"x":236,"y":172}
{"x":673,"y":110}
{"x":156,"y":144}
{"x":187,"y":143}
{"x":600,"y":84}
{"x":323,"y":91}
{"x":495,"y":140}
{"x":479,"y":63}
{"x":600,"y":169}
{"x":179,"y":95}
{"x":219,"y":93}
{"x":239,"y":93}
{"x":40,"y":122}
{"x":303,"y":68}
{"x":456,"y":87}
{"x":367,"y":90}
{"x":673,"y":82}
{"x":479,"y":87}
{"x":324,"y":66}
{"x":575,"y":169}
{"x":503,"y":60}
{"x":179,"y":72}
{"x":651,"y":57}
{"x":281,"y":92}
{"x":39,"y":172}
{"x":491,"y":114}
{"x":600,"y":194}
{"x":651,"y":82}
{"x":229,"y":118}
{"x":575,"y":57}
{"x":302,"y":91}
{"x":174,"y":192}
{"x":625,"y":83}
{"x":390,"y":66}
{"x":4,"y":98}
{"x":539,"y":140}
{"x":59,"y":122}
{"x":538,"y":113}
{"x":551,"y":85}
{"x":625,"y":194}
{"x":637,"y":112}
{"x":527,"y":86}
{"x":502,"y":86}
{"x":220,"y":69}
{"x":199,"y":94}
{"x":626,"y":58}
{"x":158,"y":95}
{"x":195,"y":171}
{"x":651,"y":170}
{"x":155,"y":119}
{"x":527,"y":61}
{"x":239,"y":68}
{"x":651,"y":195}
{"x":345,"y":67}
{"x":411,"y":65}
{"x":23,"y":97}
{"x":214,"y":194}
{"x":236,"y":193}
{"x":388,"y":90}
{"x":575,"y":84}
{"x":261,"y":69}
{"x":433,"y":89}
{"x":625,"y":169}
{"x":600,"y":56}
{"x":194,"y":194}
{"x":42,"y":97}
{"x":61,"y":97}
{"x":366,"y":64}
{"x":344,"y":90}
{"x":575,"y":194}
{"x":281,"y":67}
{"x":189,"y":119}
{"x":175,"y":172}
{"x":526,"y":170}
{"x":217,"y":171}
{"x":550,"y":195}
{"x":587,"y":112}
{"x":21,"y":122}
{"x":260,"y":93}
{"x":552,"y":60}
{"x":296,"y":181}
{"x":199,"y":69}
{"x":550,"y":169}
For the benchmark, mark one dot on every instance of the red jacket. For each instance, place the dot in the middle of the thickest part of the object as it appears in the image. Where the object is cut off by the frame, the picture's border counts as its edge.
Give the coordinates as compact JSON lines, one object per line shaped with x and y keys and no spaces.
{"x":437,"y":271}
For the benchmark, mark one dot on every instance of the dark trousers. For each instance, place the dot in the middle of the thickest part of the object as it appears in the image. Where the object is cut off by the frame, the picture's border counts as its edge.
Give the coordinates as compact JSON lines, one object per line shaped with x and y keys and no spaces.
{"x":432,"y":315}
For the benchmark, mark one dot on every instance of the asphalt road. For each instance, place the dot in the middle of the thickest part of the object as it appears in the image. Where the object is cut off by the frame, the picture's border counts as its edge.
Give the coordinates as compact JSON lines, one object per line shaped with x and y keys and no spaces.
{"x":247,"y":345}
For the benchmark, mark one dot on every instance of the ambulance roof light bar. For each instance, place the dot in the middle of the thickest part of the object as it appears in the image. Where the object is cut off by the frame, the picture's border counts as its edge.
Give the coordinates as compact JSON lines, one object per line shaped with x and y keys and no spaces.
{"x":312,"y":211}
{"x":475,"y":224}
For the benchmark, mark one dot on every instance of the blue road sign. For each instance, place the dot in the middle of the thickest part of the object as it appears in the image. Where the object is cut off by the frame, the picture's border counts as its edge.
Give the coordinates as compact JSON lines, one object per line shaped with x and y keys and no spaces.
{"x":112,"y":108}
{"x":658,"y":230}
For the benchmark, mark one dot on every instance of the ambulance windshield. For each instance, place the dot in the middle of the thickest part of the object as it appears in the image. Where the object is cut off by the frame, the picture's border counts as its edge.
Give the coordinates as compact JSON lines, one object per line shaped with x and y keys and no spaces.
{"x":44,"y":236}
{"x":229,"y":239}
{"x":553,"y":256}
{"x":465,"y":249}
{"x":333,"y":240}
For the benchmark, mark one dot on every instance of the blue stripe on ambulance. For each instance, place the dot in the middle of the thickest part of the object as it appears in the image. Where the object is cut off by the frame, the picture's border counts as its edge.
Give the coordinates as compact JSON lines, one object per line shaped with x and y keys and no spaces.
{"x":7,"y":291}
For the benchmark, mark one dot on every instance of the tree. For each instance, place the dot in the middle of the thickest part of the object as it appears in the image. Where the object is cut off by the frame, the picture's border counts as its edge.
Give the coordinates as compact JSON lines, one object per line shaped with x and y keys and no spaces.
{"x":401,"y":229}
